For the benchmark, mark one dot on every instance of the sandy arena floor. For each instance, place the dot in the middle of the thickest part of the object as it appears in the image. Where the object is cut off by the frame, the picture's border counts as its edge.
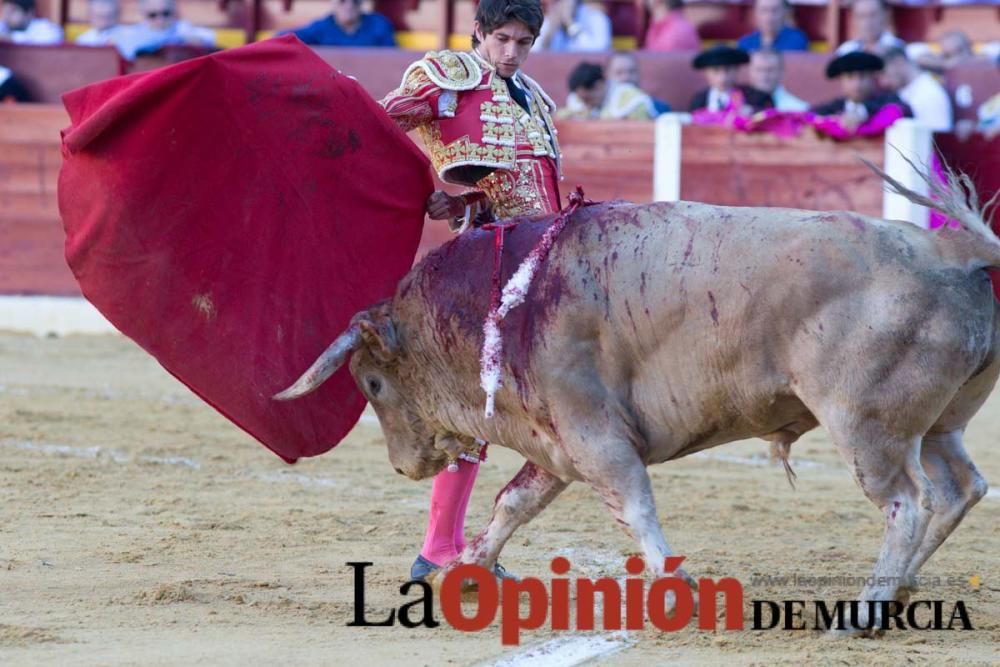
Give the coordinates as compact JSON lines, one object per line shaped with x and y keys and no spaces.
{"x":138,"y":527}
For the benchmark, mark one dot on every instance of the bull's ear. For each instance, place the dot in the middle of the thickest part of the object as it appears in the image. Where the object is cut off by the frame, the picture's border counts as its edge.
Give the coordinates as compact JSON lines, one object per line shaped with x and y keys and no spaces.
{"x":379,"y":335}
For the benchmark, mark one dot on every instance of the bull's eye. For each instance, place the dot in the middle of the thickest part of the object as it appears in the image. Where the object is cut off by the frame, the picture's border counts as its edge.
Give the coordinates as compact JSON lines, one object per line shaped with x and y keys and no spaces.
{"x":374,"y":386}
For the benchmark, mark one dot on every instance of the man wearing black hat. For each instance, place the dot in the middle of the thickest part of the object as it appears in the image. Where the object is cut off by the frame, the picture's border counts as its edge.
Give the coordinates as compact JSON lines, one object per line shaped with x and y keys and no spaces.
{"x":721,"y":66}
{"x":856,"y":72}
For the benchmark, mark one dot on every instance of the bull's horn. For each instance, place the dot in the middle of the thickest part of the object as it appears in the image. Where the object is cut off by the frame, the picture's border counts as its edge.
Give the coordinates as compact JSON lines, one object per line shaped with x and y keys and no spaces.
{"x":327,"y":364}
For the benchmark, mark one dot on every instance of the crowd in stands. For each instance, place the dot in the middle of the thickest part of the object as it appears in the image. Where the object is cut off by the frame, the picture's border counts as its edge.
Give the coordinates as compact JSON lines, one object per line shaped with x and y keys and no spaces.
{"x":593,"y":96}
{"x":160,"y":26}
{"x":874,"y":68}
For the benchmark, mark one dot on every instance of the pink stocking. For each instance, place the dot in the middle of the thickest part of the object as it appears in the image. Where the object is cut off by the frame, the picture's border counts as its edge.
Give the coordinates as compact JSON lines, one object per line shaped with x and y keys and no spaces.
{"x":459,"y":536}
{"x":446,"y":519}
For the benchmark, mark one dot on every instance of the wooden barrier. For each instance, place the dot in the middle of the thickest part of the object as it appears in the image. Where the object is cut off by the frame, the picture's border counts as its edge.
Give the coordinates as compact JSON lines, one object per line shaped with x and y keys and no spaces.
{"x":719,"y":166}
{"x":978,"y":158}
{"x":982,"y":81}
{"x":609,"y":159}
{"x":31,"y":234}
{"x":49,"y":71}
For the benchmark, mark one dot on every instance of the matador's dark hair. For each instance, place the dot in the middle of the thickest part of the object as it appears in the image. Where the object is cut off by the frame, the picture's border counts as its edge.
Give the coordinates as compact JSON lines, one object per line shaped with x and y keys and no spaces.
{"x":491,"y":14}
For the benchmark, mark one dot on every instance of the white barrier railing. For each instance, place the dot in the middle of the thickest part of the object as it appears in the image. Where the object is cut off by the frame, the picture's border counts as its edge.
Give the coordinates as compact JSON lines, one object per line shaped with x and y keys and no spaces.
{"x":52,"y":315}
{"x":904,"y":138}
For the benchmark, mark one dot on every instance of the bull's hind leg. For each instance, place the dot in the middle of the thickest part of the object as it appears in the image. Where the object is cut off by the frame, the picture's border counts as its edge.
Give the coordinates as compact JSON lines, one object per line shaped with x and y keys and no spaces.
{"x":887,"y":468}
{"x":958,"y":487}
{"x":958,"y":482}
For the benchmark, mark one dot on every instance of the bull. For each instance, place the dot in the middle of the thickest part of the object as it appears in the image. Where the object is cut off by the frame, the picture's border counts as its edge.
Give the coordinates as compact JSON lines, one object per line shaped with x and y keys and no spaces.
{"x":652,"y":332}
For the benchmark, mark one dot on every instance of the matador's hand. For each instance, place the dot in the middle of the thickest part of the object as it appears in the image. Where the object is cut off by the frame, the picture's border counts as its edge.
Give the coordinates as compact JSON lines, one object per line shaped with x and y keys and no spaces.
{"x":443,"y":206}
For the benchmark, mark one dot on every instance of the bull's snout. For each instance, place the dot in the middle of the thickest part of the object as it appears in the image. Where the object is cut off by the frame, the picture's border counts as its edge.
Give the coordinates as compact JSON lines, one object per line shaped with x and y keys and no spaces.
{"x":420,"y":469}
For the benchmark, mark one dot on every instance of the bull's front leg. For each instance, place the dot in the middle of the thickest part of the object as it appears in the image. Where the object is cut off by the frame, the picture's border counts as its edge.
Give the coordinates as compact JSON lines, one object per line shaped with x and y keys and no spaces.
{"x":596,"y":430}
{"x":615,"y":471}
{"x":527,"y":494}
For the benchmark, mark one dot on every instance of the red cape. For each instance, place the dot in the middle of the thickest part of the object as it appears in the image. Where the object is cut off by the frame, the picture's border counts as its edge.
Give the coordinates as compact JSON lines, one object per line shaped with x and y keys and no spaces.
{"x":230,"y":214}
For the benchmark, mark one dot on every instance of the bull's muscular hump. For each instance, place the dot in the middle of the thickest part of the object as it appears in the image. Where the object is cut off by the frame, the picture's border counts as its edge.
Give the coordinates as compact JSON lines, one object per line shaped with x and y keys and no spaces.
{"x":654,"y":331}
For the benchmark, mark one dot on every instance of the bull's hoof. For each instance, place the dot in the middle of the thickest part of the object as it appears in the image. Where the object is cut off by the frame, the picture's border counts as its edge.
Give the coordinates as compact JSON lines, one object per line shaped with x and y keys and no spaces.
{"x":906,"y":591}
{"x":469,"y":590}
{"x":501,"y":573}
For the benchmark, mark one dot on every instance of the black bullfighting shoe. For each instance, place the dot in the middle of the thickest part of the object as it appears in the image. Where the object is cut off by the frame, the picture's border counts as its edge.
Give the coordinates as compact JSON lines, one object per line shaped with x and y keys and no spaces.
{"x":422,"y":567}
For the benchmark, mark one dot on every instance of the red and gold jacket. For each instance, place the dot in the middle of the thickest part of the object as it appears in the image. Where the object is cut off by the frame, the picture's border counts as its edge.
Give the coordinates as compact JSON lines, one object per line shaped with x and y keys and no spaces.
{"x":478,"y":136}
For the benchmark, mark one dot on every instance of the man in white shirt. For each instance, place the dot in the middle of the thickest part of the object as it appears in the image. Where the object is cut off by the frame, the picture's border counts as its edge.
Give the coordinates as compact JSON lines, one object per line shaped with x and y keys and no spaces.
{"x":927,"y":98}
{"x":19,"y":24}
{"x":767,"y":69}
{"x":161,"y":27}
{"x":869,"y":20}
{"x":105,"y":28}
{"x":571,"y":25}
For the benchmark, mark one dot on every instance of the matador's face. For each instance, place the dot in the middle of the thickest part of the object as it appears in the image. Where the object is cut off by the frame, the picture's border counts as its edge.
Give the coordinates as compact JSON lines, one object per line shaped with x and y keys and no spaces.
{"x":507,"y":47}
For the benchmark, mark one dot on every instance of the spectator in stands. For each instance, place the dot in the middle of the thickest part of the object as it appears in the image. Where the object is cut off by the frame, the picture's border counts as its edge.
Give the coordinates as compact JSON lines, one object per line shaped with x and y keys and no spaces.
{"x":19,"y":24}
{"x":721,"y":65}
{"x":668,"y":29}
{"x":10,"y":88}
{"x":870,"y":19}
{"x":347,"y":25}
{"x":592,"y":97}
{"x":105,"y":27}
{"x":572,"y":25}
{"x":773,"y":31}
{"x":160,"y":27}
{"x":623,"y":67}
{"x":954,"y":48}
{"x":927,"y":98}
{"x":587,"y":87}
{"x":861,"y":100}
{"x":767,"y":69}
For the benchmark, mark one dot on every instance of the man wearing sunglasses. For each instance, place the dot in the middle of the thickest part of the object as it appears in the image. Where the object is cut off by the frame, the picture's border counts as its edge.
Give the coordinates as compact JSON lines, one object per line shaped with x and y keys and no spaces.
{"x":488,"y":127}
{"x":161,"y":26}
{"x":347,"y":25}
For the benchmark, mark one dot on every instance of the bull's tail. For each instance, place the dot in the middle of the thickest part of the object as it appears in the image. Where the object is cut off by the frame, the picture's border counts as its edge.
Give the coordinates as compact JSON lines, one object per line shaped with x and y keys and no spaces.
{"x":955,"y":198}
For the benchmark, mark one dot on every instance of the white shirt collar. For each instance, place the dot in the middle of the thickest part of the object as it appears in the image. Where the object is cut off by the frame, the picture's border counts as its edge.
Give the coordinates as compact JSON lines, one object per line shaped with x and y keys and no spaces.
{"x":717,"y":101}
{"x":857,"y":108}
